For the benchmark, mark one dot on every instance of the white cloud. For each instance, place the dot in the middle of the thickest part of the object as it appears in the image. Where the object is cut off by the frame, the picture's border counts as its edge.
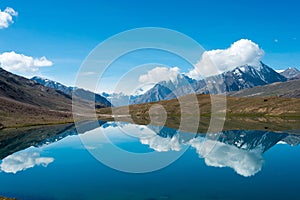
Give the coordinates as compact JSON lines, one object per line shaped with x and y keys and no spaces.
{"x":216,"y":154}
{"x":12,"y":61}
{"x":149,"y":136}
{"x":159,"y":74}
{"x":23,"y":160}
{"x":279,"y":70}
{"x":161,"y":144}
{"x":146,"y":135}
{"x":214,"y":62}
{"x":244,"y":162}
{"x":6,"y":17}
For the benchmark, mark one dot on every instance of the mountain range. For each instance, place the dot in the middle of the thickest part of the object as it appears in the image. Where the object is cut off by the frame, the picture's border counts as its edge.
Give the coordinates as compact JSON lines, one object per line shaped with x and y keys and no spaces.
{"x":238,"y":79}
{"x":20,"y":89}
{"x":100,"y":101}
{"x":237,"y":82}
{"x":291,"y":73}
{"x":42,"y":100}
{"x":25,"y":102}
{"x":241,"y":150}
{"x":238,"y":143}
{"x":288,"y":89}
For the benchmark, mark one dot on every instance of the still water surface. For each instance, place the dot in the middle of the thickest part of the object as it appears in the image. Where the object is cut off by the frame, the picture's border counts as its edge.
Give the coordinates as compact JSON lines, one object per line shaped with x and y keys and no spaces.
{"x":242,"y":165}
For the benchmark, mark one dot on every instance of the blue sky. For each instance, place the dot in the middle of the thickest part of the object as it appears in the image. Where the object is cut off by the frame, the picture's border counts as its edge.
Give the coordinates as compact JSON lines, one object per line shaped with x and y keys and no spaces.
{"x":66,"y":31}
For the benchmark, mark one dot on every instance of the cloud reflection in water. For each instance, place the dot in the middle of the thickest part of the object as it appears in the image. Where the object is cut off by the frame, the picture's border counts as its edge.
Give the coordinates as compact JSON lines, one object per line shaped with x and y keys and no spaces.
{"x":23,"y":160}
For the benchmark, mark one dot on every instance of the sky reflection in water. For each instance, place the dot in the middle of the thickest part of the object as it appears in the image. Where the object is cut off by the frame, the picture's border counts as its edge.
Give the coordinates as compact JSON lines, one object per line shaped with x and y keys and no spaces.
{"x":248,"y":153}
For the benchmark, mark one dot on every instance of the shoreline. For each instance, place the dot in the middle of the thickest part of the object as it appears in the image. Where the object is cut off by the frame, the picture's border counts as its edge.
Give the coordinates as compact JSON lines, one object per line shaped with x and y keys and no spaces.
{"x":20,"y":126}
{"x":285,"y":112}
{"x":262,"y":120}
{"x":263,"y":123}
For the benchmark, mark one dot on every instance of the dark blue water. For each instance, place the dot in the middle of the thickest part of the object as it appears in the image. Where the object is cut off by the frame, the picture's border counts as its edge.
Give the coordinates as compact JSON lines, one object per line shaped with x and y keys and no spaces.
{"x":241,"y":165}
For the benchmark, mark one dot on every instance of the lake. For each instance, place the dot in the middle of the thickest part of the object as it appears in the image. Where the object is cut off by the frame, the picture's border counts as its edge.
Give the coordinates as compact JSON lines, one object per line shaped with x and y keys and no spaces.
{"x":163,"y":163}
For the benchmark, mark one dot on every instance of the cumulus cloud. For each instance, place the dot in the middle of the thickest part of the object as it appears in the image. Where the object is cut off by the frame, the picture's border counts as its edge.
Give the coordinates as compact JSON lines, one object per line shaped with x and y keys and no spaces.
{"x":15,"y":62}
{"x":161,"y":144}
{"x":159,"y":74}
{"x":23,"y":160}
{"x":245,"y":163}
{"x":146,"y":135}
{"x":149,"y":136}
{"x":216,"y":154}
{"x":6,"y":17}
{"x":217,"y":61}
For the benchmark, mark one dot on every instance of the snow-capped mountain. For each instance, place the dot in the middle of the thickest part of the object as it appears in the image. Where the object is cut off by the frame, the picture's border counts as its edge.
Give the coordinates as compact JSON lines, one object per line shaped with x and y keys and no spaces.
{"x":160,"y":91}
{"x":53,"y":84}
{"x":157,"y":93}
{"x":241,"y":150}
{"x":164,"y":90}
{"x":292,"y":140}
{"x":291,"y":73}
{"x":249,"y":140}
{"x":141,"y":90}
{"x":252,"y":140}
{"x":118,"y":99}
{"x":237,"y":79}
{"x":240,"y":78}
{"x":79,"y":92}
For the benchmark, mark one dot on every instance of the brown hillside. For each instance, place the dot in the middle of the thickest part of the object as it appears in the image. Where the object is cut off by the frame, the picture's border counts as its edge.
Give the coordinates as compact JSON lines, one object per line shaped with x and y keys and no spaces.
{"x":241,"y":113}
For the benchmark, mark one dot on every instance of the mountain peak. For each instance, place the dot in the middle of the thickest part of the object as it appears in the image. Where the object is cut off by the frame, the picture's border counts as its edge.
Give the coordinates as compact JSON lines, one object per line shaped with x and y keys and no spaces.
{"x":247,"y":76}
{"x":38,"y":77}
{"x":292,"y":68}
{"x":291,"y":73}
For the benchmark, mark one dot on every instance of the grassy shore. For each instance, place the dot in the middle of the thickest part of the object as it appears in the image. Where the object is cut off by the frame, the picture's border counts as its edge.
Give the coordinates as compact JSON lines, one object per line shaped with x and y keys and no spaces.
{"x":17,"y":114}
{"x":258,"y":113}
{"x":233,"y":106}
{"x":272,"y":113}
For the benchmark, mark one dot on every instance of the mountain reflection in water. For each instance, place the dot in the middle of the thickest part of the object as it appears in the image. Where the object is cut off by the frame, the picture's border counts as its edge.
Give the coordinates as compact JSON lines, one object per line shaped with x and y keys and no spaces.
{"x":241,"y":150}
